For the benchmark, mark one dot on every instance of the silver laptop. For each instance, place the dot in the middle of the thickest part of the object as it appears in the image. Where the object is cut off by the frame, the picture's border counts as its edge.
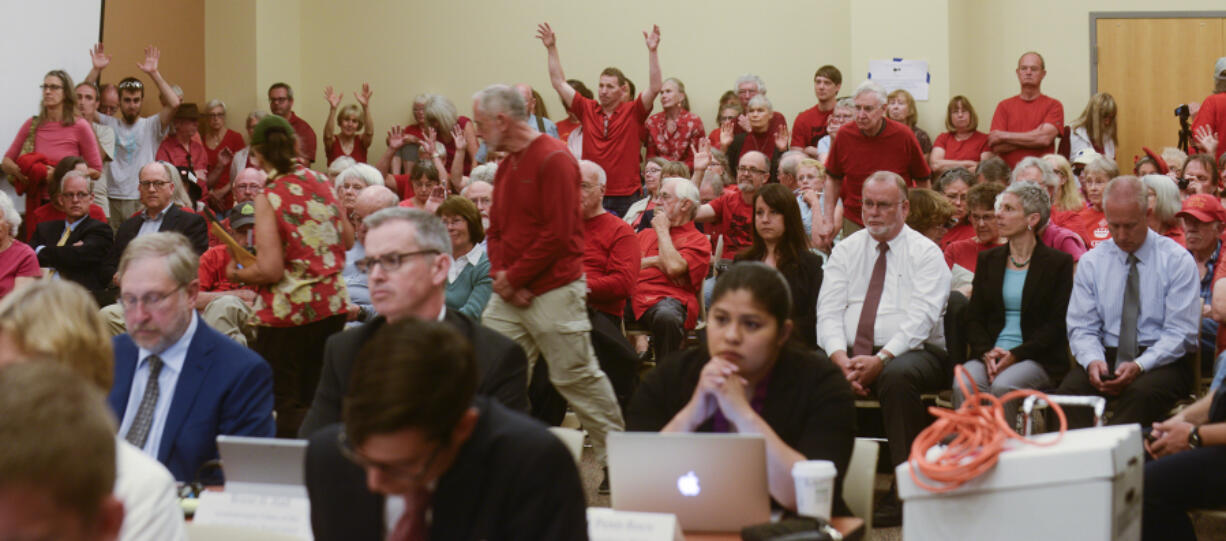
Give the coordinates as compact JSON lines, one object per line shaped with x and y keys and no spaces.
{"x":712,"y":482}
{"x":263,"y":465}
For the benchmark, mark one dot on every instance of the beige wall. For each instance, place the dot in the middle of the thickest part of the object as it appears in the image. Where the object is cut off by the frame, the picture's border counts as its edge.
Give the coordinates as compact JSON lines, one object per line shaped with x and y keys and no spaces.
{"x":176,"y":28}
{"x":405,"y":48}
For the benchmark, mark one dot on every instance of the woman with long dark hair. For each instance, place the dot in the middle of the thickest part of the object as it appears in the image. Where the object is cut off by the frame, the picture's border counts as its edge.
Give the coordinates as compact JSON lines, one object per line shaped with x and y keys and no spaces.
{"x":779,"y":240}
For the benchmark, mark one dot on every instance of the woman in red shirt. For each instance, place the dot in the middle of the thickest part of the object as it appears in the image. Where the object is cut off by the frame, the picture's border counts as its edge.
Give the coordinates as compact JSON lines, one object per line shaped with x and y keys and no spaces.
{"x":955,"y":184}
{"x":675,"y":131}
{"x":221,"y":144}
{"x":1094,"y":180}
{"x":349,"y":142}
{"x":961,"y":145}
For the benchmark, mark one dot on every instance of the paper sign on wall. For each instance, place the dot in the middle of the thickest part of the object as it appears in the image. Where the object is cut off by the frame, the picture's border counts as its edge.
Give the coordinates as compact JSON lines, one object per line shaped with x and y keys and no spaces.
{"x":604,"y":524}
{"x":909,"y":75}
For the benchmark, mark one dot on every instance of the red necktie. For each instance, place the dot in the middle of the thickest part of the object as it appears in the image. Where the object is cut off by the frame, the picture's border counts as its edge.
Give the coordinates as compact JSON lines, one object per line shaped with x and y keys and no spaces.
{"x":868,"y":313}
{"x":413,"y":525}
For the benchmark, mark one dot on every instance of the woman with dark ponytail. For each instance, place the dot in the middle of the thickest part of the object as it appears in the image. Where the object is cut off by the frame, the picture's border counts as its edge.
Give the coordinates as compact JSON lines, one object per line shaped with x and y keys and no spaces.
{"x":301,"y":236}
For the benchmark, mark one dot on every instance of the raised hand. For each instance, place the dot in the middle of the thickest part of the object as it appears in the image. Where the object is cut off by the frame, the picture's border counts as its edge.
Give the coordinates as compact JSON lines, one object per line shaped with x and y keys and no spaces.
{"x":652,"y":39}
{"x":333,"y":98}
{"x":99,"y":58}
{"x":725,"y":134}
{"x":428,"y":144}
{"x":743,"y":122}
{"x":364,"y":95}
{"x":782,"y":138}
{"x":150,"y":65}
{"x":1206,"y":139}
{"x":702,"y":154}
{"x":457,"y":137}
{"x":396,"y":137}
{"x":546,"y":35}
{"x":225,"y":157}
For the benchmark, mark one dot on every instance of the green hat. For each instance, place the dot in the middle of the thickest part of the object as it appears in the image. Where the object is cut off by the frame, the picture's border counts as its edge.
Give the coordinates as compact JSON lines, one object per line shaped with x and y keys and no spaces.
{"x":242,"y":215}
{"x":270,"y":122}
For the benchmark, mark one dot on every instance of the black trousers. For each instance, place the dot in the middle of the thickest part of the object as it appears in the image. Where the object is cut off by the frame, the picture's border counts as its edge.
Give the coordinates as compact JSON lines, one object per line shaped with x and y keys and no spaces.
{"x":619,"y":204}
{"x":666,"y":321}
{"x":296,"y":355}
{"x":1146,"y":400}
{"x":899,"y":387}
{"x":1174,"y":484}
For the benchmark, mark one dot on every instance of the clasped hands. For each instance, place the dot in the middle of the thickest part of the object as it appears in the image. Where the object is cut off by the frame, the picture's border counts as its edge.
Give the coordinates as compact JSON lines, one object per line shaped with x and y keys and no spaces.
{"x":720,"y":388}
{"x":861,"y":370}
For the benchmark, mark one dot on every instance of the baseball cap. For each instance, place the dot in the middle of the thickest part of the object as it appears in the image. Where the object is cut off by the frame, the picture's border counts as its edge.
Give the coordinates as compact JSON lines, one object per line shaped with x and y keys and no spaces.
{"x":1203,"y":207}
{"x":243,"y":215}
{"x":1085,"y":156}
{"x":1219,"y":69}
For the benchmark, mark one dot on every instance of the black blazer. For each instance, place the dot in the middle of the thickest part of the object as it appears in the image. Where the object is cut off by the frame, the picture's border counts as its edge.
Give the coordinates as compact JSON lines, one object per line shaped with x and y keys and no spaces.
{"x":189,"y":224}
{"x":511,"y":480}
{"x":502,"y":368}
{"x":82,"y":264}
{"x":804,"y":277}
{"x":1045,"y":297}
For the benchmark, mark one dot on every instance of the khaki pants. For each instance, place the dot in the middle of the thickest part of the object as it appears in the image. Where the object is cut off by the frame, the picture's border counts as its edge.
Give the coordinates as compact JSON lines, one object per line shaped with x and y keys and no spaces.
{"x":227,"y":315}
{"x":556,"y":327}
{"x":122,"y":209}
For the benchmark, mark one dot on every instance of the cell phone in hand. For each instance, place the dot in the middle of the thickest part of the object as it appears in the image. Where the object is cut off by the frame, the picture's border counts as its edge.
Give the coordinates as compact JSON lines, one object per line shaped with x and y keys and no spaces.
{"x":1107,"y":376}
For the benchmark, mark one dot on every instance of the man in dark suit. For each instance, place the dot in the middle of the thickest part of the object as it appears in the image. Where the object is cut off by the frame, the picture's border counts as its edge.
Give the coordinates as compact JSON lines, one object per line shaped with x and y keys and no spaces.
{"x":77,"y":245}
{"x":179,"y":383}
{"x":407,"y":258}
{"x":160,"y":214}
{"x":465,"y":466}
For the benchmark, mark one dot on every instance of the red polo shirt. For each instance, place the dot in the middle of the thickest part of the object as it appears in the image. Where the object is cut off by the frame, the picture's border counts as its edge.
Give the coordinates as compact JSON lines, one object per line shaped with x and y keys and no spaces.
{"x":613,"y":141}
{"x":536,"y":225}
{"x":610,"y":263}
{"x":654,"y":284}
{"x":855,"y":156}
{"x":1018,"y":115}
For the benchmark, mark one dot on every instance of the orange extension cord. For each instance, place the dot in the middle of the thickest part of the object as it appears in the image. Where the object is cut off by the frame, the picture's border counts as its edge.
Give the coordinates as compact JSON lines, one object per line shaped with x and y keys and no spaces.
{"x":976,"y":431}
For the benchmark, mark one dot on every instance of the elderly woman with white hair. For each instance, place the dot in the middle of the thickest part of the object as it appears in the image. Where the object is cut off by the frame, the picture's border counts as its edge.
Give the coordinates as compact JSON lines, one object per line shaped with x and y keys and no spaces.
{"x":243,"y":158}
{"x":221,"y":144}
{"x":1094,"y":179}
{"x":1015,"y":319}
{"x":352,"y":180}
{"x":1164,"y":204}
{"x":760,"y":137}
{"x":18,"y":263}
{"x":1041,"y":172}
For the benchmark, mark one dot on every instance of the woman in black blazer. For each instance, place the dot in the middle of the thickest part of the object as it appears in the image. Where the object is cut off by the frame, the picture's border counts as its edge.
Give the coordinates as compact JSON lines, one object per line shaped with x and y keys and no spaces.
{"x":1015,"y":320}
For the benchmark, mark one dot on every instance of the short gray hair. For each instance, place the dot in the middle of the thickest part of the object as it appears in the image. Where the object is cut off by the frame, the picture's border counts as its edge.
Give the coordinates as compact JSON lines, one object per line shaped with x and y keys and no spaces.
{"x":845,"y":103}
{"x":587,"y":167}
{"x":751,"y":78}
{"x":182,"y":261}
{"x":1034,"y":200}
{"x":1099,"y":164}
{"x":500,"y":98}
{"x":340,"y":164}
{"x":868,"y":86}
{"x":1050,"y":177}
{"x":760,"y":100}
{"x":1166,"y":197}
{"x":953,"y":175}
{"x":257,"y":115}
{"x":790,"y":161}
{"x":483,"y":173}
{"x":10,"y":214}
{"x":215,"y":103}
{"x":686,"y":190}
{"x":364,"y":172}
{"x":378,"y":195}
{"x":1141,"y":198}
{"x":889,"y":177}
{"x":431,"y":233}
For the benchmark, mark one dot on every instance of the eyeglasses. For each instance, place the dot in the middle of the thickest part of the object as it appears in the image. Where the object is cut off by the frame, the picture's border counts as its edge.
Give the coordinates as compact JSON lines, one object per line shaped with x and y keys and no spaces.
{"x":148,"y":300}
{"x":727,"y":118}
{"x":751,"y":170}
{"x":213,"y":115}
{"x":76,"y":195}
{"x":51,"y":87}
{"x":390,"y":262}
{"x":153,"y":184}
{"x":398,"y":471}
{"x":279,"y":100}
{"x":131,"y":83}
{"x":879,"y":205}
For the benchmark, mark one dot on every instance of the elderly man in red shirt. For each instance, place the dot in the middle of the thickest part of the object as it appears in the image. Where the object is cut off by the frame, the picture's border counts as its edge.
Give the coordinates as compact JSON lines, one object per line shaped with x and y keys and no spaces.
{"x":535,"y":248}
{"x":676,"y":256}
{"x":870,"y":144}
{"x":613,"y":127}
{"x":1026,"y":124}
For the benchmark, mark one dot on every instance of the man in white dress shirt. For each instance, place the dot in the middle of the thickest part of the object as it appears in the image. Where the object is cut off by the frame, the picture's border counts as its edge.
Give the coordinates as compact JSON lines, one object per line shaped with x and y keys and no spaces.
{"x":879,"y":316}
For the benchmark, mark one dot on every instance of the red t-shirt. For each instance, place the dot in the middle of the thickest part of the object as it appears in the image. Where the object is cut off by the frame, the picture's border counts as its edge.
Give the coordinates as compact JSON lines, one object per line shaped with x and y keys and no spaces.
{"x":810,"y":126}
{"x":1093,"y":227}
{"x":306,"y":136}
{"x":970,"y":149}
{"x":714,"y":137}
{"x":654,"y":284}
{"x":1213,"y":114}
{"x":855,"y":156}
{"x":610,"y":262}
{"x":1068,"y":219}
{"x":1018,"y":115}
{"x":48,"y":213}
{"x":966,"y":252}
{"x":358,"y":153}
{"x":536,"y":225}
{"x":16,"y":260}
{"x":957,"y":233}
{"x":613,"y":141}
{"x":233,"y":141}
{"x":565,"y":127}
{"x":212,"y":271}
{"x":736,"y":217}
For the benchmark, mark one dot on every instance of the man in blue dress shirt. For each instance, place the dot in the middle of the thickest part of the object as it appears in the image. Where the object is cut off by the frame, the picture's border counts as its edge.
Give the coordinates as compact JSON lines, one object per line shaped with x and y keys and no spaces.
{"x":1133,"y":315}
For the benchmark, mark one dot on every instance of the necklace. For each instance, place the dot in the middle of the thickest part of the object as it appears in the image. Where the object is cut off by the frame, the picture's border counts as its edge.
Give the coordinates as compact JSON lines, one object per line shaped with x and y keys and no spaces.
{"x":1020,"y":264}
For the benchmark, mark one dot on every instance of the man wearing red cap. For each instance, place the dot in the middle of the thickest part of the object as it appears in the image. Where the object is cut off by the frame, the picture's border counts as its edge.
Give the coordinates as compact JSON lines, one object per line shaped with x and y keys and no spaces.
{"x":1203,"y":216}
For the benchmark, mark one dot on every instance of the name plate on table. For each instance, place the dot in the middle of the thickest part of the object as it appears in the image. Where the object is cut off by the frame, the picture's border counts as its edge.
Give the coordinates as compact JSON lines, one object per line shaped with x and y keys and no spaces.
{"x":286,"y":515}
{"x":604,"y":524}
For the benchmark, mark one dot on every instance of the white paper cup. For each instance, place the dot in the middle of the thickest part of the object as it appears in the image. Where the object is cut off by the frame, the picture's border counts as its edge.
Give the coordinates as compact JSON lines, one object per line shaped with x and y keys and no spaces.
{"x":814,"y":487}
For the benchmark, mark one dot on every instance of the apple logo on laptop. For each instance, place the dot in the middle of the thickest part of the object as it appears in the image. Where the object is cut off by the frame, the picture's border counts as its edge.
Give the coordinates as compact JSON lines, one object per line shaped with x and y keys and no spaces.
{"x":688,"y":484}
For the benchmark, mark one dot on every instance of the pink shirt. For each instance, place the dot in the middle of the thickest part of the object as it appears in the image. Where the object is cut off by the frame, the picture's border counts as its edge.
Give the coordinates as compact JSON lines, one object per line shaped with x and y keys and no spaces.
{"x":16,"y":260}
{"x":57,"y":141}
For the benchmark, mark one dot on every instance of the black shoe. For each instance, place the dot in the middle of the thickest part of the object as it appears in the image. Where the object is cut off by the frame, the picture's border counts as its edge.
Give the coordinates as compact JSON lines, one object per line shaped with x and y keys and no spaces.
{"x":603,"y":489}
{"x":888,"y":512}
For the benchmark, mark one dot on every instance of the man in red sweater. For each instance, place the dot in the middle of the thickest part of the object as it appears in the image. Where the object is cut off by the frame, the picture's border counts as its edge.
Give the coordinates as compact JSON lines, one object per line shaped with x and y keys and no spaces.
{"x":613,"y":129}
{"x":535,"y":248}
{"x":1026,"y":124}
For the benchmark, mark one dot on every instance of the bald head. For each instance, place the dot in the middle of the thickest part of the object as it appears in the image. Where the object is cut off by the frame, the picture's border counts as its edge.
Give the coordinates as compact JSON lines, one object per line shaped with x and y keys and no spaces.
{"x":369,"y":201}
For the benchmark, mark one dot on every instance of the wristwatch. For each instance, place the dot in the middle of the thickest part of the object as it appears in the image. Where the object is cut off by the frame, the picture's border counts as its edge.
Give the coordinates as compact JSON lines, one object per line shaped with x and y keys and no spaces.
{"x":884,"y":356}
{"x":1194,"y":438}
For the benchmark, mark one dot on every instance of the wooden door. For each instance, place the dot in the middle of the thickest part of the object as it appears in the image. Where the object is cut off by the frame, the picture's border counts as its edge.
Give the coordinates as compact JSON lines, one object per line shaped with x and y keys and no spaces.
{"x":1150,"y":66}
